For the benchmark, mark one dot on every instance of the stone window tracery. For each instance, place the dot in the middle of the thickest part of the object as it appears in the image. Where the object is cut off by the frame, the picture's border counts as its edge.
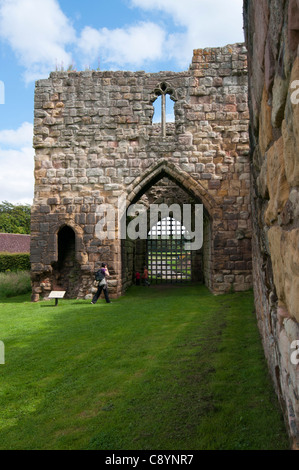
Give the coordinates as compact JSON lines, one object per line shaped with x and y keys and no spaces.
{"x":162,"y":90}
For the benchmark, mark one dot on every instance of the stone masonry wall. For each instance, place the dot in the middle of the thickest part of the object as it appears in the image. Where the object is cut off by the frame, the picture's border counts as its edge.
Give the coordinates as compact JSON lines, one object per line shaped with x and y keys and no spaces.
{"x":94,"y":141}
{"x":272,"y":36}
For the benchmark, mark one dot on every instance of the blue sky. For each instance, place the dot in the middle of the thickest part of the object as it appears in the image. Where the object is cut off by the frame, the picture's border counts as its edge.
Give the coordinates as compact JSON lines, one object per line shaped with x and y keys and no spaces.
{"x":38,"y":36}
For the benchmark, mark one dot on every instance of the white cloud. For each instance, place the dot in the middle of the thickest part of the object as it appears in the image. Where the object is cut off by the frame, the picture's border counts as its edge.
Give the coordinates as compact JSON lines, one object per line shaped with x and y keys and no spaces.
{"x":206,"y":23}
{"x":41,"y":35}
{"x":20,"y":137}
{"x":17,"y":165}
{"x":38,"y":32}
{"x":197,"y":24}
{"x":134,"y":45}
{"x":17,"y":175}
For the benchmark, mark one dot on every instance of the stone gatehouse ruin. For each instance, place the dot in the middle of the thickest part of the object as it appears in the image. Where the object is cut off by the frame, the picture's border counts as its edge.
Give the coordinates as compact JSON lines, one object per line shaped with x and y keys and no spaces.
{"x":95,"y":140}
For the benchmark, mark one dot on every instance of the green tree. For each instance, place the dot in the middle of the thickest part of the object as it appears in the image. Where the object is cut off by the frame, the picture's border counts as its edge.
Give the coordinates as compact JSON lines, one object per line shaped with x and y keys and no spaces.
{"x":15,"y":218}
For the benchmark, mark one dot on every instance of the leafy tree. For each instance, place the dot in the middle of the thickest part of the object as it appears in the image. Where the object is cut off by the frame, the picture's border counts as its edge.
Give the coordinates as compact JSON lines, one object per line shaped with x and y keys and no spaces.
{"x":15,"y":218}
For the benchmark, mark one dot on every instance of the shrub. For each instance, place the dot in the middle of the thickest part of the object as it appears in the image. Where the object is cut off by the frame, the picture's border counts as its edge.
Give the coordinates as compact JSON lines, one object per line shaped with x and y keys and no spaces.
{"x":14,"y":218}
{"x":13,"y":284}
{"x":14,"y":262}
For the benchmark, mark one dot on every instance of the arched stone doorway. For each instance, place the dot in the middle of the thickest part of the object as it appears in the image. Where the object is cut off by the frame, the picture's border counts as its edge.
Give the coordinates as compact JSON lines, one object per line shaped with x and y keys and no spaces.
{"x":66,"y":270}
{"x":165,"y":186}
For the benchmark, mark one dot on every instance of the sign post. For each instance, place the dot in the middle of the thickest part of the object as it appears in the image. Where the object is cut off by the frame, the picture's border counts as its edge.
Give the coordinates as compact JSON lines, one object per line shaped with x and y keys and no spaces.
{"x":57,"y":294}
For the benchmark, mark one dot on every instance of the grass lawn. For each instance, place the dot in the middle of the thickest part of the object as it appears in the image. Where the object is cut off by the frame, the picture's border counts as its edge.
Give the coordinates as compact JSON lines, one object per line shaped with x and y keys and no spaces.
{"x":160,"y":368}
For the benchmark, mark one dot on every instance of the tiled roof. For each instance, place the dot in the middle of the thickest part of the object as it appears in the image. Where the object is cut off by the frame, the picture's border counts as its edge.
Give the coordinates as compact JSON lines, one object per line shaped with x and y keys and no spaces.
{"x":14,"y":243}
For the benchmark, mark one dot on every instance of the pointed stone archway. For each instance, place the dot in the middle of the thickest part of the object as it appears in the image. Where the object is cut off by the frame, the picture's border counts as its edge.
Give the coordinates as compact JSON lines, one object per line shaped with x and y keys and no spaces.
{"x":185,"y":191}
{"x":181,"y":178}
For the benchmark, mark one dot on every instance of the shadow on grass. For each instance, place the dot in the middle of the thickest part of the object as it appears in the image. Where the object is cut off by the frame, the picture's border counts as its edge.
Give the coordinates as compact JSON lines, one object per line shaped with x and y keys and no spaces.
{"x":143,"y":378}
{"x":17,"y":299}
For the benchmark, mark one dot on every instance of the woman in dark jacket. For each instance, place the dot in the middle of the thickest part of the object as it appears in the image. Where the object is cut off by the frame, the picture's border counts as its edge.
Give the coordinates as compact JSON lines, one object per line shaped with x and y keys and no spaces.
{"x":102,"y":285}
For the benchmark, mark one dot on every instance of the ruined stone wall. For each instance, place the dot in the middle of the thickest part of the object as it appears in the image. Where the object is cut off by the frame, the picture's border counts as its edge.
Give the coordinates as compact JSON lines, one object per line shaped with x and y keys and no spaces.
{"x":94,"y":141}
{"x":272,"y":36}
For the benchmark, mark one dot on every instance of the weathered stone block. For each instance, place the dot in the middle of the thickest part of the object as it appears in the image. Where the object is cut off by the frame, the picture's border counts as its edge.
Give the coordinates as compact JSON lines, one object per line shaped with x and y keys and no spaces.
{"x":279,"y":92}
{"x":284,"y":248}
{"x":278,"y":187}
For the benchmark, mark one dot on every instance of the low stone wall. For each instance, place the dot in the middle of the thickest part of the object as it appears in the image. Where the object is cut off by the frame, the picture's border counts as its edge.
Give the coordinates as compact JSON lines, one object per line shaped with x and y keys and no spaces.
{"x":272,"y":36}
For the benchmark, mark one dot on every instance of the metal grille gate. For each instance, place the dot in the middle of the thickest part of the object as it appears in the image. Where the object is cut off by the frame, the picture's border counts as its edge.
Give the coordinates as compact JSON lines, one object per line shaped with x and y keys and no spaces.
{"x":167,"y":259}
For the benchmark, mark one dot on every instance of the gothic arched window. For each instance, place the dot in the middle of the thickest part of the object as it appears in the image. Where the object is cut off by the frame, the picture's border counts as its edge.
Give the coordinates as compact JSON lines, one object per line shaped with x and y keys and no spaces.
{"x":162,"y":90}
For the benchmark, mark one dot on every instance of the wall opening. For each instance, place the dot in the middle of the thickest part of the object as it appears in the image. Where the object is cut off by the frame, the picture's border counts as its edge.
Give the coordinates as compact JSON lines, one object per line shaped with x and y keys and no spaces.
{"x":66,"y":271}
{"x":169,"y":110}
{"x":163,"y":102}
{"x":168,"y":260}
{"x":167,"y":257}
{"x":66,"y":247}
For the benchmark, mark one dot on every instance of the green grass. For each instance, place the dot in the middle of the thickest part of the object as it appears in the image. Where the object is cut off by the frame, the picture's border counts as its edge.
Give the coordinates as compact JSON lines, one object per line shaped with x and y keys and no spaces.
{"x":160,"y":368}
{"x":14,"y":283}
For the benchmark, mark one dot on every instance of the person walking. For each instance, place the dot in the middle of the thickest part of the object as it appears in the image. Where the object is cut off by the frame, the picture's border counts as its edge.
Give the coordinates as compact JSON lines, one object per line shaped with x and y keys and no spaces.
{"x":102,"y":285}
{"x":145,"y":277}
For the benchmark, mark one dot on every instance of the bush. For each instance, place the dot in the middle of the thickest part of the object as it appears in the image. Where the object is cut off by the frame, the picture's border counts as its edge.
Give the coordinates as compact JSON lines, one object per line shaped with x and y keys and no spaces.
{"x":13,"y":284}
{"x":14,"y":218}
{"x":14,"y":262}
